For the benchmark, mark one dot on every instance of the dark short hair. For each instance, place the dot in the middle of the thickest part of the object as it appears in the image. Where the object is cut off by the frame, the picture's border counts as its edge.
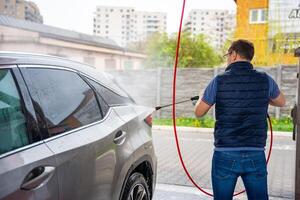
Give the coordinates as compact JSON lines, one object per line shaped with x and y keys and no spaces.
{"x":244,"y":48}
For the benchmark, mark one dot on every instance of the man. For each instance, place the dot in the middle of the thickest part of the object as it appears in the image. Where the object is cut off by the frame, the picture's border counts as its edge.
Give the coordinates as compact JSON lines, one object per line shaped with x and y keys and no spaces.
{"x":241,"y":96}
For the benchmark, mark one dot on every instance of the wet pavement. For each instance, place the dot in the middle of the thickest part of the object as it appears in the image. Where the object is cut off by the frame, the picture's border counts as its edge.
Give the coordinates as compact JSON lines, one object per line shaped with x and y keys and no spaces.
{"x":197,"y":149}
{"x":175,"y":192}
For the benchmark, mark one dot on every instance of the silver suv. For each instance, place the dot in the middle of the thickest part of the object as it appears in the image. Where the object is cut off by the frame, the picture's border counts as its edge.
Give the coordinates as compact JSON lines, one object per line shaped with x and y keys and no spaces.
{"x":68,"y":131}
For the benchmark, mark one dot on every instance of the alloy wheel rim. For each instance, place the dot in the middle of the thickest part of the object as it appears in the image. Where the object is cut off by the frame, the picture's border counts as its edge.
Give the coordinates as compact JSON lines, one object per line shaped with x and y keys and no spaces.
{"x":138,"y":192}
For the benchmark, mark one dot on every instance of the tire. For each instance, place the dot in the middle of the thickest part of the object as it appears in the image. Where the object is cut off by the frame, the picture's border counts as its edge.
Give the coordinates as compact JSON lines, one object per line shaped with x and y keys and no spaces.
{"x":136,"y":188}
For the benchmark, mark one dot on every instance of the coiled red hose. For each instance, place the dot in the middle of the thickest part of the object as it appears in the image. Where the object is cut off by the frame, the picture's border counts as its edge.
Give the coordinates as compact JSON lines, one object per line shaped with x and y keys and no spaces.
{"x":174,"y":114}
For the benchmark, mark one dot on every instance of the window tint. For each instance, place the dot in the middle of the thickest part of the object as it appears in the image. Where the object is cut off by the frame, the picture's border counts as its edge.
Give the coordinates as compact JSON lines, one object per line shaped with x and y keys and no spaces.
{"x":110,"y":97}
{"x":13,"y":132}
{"x":103,"y":104}
{"x":66,"y":100}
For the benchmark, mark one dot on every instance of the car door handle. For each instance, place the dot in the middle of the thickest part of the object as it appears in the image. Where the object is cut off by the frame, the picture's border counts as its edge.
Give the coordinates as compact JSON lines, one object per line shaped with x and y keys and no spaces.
{"x":37,"y":177}
{"x":120,"y":137}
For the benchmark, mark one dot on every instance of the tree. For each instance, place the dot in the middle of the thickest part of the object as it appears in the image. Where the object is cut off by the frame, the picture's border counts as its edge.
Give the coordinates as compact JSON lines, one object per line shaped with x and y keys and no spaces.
{"x":194,"y":51}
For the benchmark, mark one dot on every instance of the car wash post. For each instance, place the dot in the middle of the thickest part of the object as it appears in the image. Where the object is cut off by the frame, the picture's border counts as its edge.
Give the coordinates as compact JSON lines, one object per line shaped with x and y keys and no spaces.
{"x":297,"y":177}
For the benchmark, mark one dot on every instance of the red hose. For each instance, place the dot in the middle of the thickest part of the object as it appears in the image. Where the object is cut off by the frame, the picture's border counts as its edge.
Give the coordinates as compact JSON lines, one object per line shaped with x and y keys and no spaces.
{"x":174,"y":114}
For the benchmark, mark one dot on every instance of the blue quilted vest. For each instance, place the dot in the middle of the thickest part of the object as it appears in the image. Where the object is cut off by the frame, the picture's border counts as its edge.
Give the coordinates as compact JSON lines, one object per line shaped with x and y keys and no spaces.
{"x":241,"y":107}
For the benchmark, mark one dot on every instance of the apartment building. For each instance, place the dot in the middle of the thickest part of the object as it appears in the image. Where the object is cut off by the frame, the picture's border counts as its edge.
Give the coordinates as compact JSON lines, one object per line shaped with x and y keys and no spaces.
{"x":21,"y":9}
{"x":217,"y":25}
{"x":125,"y":25}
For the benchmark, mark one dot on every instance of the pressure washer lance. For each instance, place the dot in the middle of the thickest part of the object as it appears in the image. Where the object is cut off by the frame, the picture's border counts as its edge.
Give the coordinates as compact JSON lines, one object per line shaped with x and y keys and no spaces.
{"x":195,"y":98}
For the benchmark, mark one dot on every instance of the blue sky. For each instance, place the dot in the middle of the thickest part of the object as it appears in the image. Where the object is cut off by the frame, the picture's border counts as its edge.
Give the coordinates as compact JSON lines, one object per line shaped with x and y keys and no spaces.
{"x":77,"y":15}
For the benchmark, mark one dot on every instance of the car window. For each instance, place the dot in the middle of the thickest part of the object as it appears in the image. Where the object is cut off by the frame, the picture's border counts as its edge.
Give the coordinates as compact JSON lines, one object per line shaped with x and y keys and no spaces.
{"x":103,"y":104}
{"x":110,"y":97}
{"x":13,"y":131}
{"x":65,"y":98}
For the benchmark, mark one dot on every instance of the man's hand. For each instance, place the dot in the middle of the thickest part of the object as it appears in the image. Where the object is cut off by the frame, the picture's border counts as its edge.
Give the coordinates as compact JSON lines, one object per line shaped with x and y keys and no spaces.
{"x":278,"y":101}
{"x":201,"y":108}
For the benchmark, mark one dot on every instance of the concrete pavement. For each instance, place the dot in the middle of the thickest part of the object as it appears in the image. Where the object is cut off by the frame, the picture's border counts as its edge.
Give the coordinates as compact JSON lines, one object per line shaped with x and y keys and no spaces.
{"x":177,"y":192}
{"x":197,"y":149}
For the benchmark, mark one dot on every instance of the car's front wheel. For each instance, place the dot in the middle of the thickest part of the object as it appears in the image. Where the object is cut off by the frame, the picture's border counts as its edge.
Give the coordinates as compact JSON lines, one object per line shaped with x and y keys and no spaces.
{"x":136,"y":188}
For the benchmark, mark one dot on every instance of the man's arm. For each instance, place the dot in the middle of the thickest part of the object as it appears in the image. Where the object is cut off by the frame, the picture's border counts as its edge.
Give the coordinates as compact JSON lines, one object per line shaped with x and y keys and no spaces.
{"x":208,"y":100}
{"x":278,"y":101}
{"x":201,"y":108}
{"x":276,"y":97}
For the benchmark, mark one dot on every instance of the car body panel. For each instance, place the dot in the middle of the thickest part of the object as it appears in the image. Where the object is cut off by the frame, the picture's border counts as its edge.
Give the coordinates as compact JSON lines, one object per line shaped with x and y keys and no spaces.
{"x":15,"y":167}
{"x":139,"y":136}
{"x":89,"y":163}
{"x":87,"y":159}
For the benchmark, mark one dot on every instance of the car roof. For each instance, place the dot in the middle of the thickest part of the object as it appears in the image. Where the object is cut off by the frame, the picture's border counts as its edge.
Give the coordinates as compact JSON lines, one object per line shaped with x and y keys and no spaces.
{"x":14,"y":58}
{"x":40,"y":60}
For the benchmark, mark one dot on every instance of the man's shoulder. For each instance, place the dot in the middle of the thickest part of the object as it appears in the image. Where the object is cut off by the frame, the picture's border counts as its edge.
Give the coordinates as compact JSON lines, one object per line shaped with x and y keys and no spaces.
{"x":259,"y":71}
{"x":222,"y":74}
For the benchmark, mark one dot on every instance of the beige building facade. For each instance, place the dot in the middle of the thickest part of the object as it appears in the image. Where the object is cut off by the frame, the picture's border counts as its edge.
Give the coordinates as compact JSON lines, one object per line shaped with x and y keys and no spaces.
{"x":24,"y":36}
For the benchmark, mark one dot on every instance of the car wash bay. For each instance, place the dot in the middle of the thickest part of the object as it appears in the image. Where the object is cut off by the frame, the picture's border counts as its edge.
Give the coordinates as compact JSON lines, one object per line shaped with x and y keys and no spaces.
{"x":197,"y":145}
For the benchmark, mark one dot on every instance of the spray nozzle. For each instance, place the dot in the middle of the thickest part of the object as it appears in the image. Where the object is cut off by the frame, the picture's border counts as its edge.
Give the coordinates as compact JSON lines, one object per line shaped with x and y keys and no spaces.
{"x":193,"y":99}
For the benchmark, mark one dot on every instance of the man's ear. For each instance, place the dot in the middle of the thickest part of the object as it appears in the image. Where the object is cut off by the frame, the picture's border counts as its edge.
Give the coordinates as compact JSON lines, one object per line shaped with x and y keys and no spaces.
{"x":234,"y":55}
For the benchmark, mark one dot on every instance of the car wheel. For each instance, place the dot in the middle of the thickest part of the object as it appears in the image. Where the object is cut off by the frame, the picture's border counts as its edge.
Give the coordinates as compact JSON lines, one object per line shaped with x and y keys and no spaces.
{"x":136,"y":188}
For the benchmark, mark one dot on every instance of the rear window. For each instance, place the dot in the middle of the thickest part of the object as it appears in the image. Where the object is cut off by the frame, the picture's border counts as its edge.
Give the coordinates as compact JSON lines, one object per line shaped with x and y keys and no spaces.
{"x":110,"y":97}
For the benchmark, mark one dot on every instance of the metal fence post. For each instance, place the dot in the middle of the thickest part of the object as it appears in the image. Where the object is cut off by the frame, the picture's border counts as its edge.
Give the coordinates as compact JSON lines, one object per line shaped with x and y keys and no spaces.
{"x":297,"y":177}
{"x":158,"y":90}
{"x":278,"y":80}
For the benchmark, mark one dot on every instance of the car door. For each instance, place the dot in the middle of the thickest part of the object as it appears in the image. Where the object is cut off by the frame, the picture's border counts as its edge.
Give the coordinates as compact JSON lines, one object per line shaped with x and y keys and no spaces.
{"x":27,"y":165}
{"x":83,"y":136}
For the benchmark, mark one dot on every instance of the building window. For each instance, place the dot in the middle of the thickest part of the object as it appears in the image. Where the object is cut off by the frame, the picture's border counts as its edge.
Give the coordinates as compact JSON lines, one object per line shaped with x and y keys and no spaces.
{"x":128,"y":64}
{"x":264,"y":15}
{"x":258,"y":16}
{"x":110,"y":63}
{"x":89,"y":60}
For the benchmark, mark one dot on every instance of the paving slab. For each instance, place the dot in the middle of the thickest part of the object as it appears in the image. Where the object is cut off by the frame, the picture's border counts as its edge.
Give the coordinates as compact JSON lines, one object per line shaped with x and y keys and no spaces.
{"x":197,"y":150}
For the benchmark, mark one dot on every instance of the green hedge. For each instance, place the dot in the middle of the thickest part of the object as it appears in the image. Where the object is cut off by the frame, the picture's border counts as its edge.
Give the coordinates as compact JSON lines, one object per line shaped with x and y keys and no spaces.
{"x":283,"y":124}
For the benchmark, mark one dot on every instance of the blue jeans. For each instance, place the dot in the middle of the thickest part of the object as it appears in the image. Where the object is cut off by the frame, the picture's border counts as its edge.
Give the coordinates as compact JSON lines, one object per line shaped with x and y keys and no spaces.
{"x":227,"y":166}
